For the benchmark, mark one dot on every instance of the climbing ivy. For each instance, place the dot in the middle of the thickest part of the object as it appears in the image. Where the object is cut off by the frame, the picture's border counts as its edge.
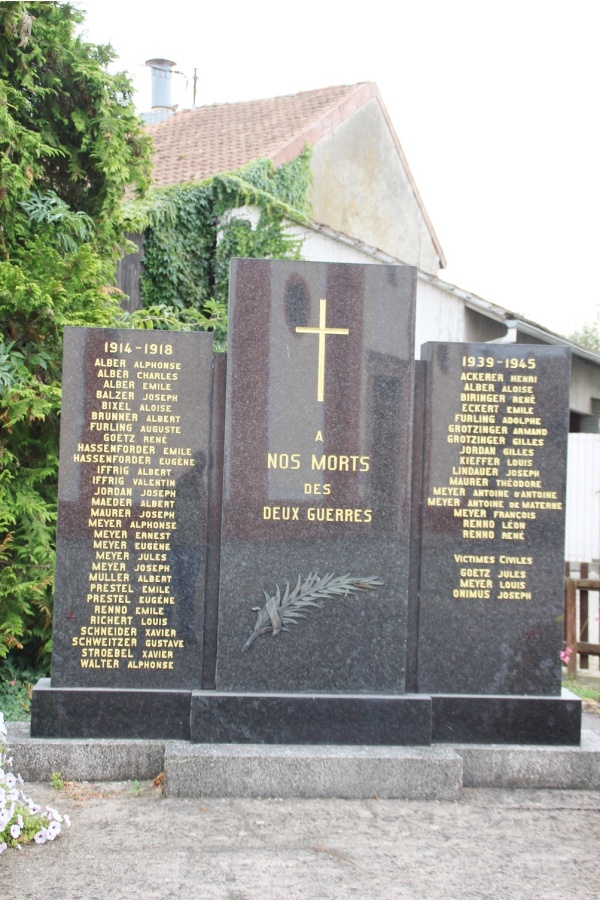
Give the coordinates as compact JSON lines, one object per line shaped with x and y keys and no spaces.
{"x":289,"y":183}
{"x":193,"y":231}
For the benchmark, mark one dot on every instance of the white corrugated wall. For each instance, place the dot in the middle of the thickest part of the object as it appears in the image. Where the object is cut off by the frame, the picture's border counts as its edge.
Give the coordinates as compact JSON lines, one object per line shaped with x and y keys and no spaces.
{"x":582,"y":542}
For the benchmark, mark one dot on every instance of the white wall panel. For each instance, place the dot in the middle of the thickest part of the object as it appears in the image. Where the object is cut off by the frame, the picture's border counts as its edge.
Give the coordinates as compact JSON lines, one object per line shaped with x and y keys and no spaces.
{"x":582,"y":542}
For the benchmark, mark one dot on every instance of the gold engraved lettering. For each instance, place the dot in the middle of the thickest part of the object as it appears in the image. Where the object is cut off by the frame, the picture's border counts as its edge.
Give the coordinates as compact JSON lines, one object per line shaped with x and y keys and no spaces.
{"x":340,"y":463}
{"x":341,"y":514}
{"x":283,"y":460}
{"x":322,"y":331}
{"x":317,"y":488}
{"x":281,"y":513}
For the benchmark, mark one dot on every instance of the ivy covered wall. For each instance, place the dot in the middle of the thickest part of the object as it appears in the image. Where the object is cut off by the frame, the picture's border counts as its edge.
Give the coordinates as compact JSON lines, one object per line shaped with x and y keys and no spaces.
{"x":192,"y":232}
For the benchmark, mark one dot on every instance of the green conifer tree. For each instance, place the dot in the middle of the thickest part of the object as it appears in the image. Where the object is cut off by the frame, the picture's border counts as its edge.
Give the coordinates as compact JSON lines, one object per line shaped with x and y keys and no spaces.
{"x":70,"y":144}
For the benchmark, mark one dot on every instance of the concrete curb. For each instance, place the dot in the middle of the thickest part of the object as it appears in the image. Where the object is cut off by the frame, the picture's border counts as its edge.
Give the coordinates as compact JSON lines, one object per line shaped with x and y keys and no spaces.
{"x":563,"y":768}
{"x":311,"y":772}
{"x":438,"y":772}
{"x":83,"y":760}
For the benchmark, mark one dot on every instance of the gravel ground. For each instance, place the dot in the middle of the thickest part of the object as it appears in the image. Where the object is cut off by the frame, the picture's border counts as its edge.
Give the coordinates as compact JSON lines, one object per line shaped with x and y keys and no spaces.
{"x":127,"y":841}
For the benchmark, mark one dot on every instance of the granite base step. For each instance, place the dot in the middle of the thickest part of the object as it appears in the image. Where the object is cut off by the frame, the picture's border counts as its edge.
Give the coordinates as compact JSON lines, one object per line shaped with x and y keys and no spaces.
{"x":438,"y":772}
{"x":510,"y":766}
{"x":310,"y":772}
{"x":215,"y":717}
{"x":83,"y":759}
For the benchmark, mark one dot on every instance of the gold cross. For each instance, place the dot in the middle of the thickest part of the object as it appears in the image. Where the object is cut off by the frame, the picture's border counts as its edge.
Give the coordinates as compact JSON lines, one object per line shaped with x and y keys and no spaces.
{"x":322,"y":330}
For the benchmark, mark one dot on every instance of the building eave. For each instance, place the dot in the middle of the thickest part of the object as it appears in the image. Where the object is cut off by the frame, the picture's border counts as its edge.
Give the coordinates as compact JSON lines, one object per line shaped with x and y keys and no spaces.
{"x":511,"y":319}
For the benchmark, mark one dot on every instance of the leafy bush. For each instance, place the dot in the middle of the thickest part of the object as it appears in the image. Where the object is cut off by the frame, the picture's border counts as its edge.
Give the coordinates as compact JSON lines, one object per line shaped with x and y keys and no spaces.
{"x":40,"y":292}
{"x":589,"y":334}
{"x":17,"y":680}
{"x":70,"y":143}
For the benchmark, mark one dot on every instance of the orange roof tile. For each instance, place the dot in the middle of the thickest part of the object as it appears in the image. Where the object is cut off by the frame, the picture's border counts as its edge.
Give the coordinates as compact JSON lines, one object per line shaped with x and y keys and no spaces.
{"x":196,"y":143}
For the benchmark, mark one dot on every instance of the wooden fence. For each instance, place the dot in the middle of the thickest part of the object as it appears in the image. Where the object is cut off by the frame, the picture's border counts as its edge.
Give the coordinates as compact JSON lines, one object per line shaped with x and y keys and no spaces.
{"x":577,"y":618}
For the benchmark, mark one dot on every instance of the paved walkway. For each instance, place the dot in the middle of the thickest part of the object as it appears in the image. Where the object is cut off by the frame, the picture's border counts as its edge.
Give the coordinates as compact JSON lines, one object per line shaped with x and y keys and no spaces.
{"x":590,"y":721}
{"x":127,"y":841}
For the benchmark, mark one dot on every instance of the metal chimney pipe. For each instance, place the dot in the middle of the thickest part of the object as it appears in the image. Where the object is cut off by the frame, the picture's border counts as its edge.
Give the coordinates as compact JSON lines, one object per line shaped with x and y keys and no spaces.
{"x":161,"y":82}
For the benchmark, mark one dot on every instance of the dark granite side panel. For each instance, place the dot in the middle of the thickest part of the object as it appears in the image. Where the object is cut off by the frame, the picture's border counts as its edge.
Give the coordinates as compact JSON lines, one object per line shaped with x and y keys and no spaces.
{"x":412,"y":642}
{"x":491,"y":600}
{"x":317,"y":473}
{"x":132,"y":517}
{"x":301,"y":719}
{"x":213,"y":549}
{"x":109,"y":713}
{"x":506,"y":720}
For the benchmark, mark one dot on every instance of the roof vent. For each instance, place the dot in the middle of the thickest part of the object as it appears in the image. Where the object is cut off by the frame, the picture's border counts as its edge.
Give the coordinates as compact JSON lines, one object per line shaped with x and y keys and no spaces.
{"x":162,"y":105}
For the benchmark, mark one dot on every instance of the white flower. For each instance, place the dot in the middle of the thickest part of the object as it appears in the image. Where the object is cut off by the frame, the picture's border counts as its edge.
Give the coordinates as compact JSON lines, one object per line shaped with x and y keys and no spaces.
{"x":15,"y":807}
{"x":53,"y":830}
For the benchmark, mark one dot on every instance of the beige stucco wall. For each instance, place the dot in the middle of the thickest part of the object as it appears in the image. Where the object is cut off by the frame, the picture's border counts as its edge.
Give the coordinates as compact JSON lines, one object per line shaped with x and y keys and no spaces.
{"x":361,"y":188}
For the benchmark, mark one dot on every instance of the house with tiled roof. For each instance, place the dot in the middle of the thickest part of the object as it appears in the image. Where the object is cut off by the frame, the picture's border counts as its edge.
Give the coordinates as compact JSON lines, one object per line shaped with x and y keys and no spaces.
{"x":366,"y":208}
{"x":361,"y":183}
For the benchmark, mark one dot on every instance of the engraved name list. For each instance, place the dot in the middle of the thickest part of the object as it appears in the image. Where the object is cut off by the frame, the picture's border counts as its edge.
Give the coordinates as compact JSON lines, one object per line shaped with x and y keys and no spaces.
{"x":135,"y":461}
